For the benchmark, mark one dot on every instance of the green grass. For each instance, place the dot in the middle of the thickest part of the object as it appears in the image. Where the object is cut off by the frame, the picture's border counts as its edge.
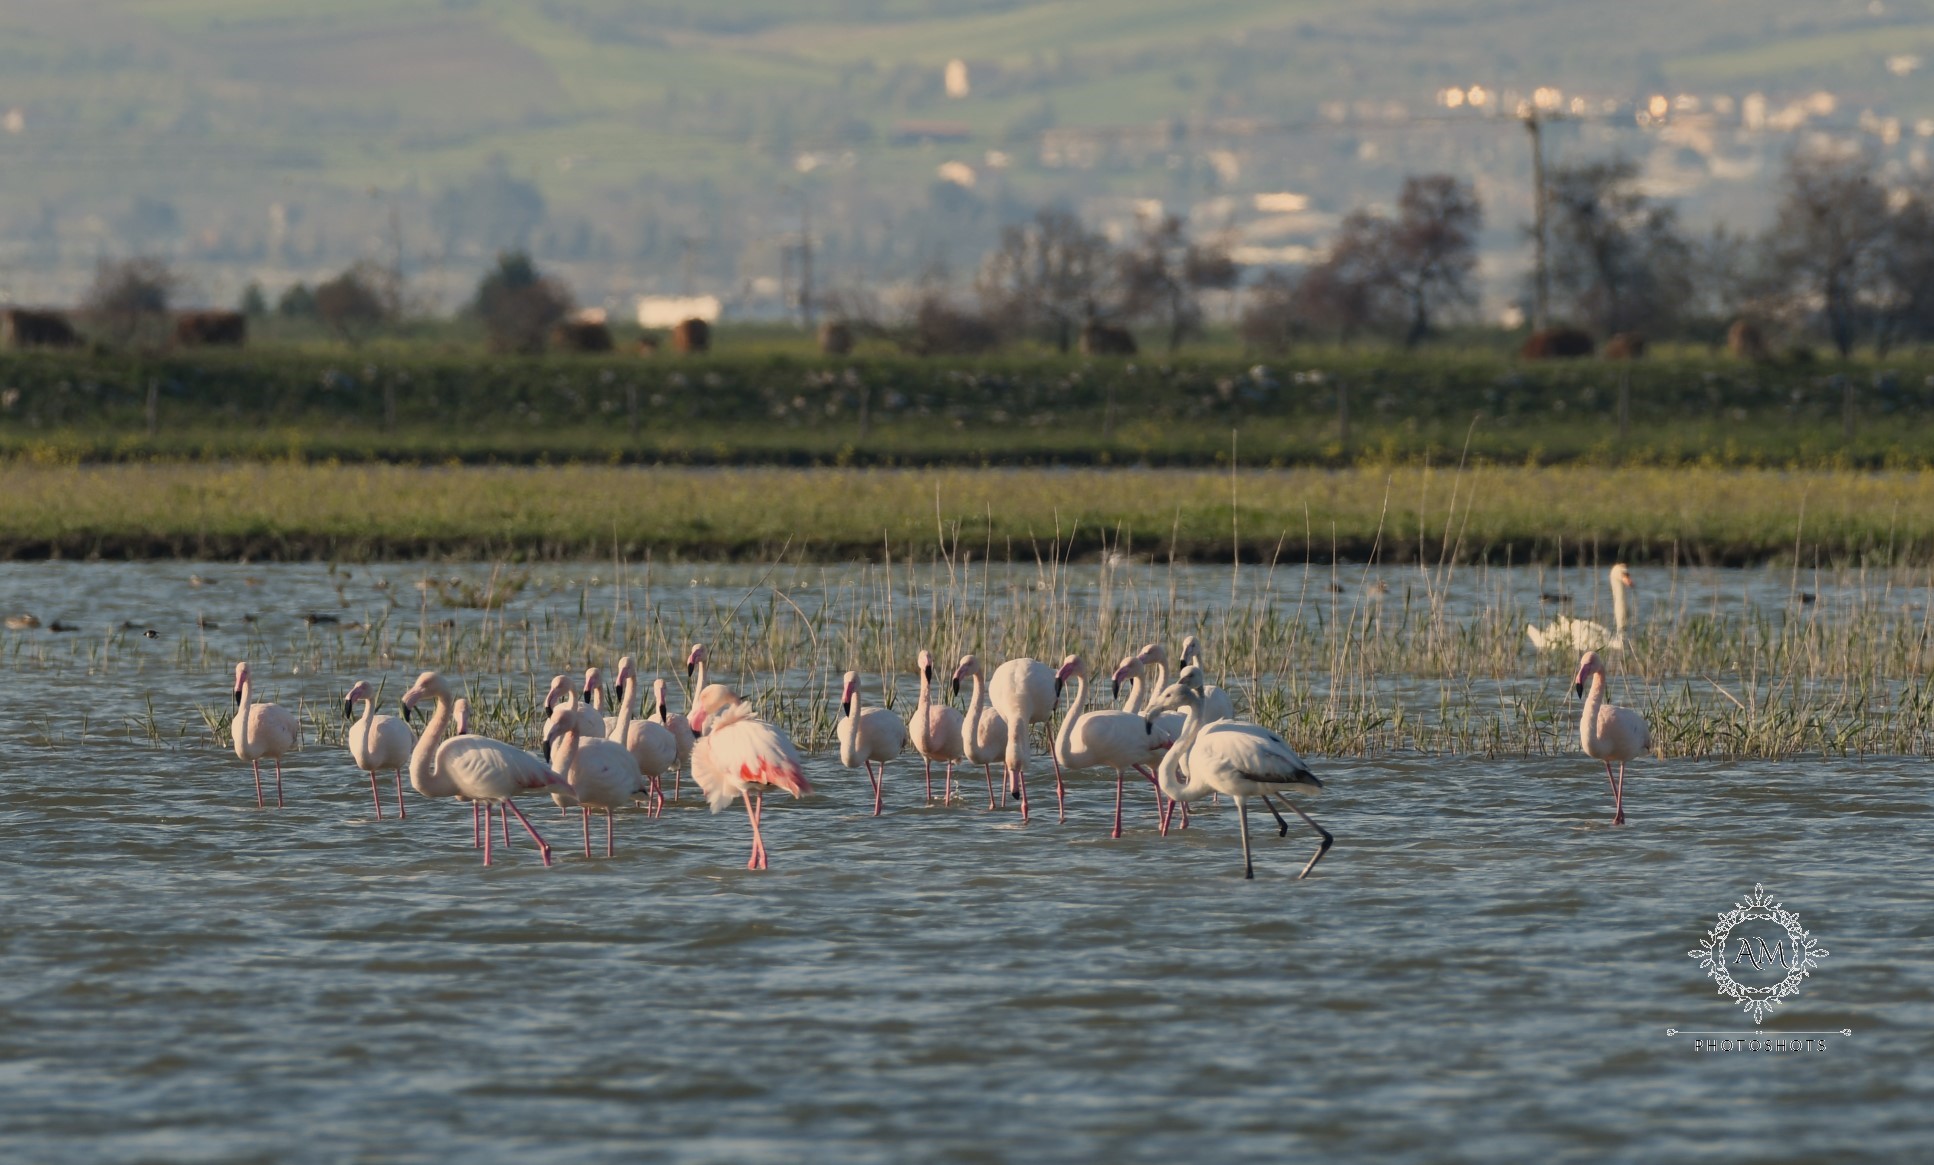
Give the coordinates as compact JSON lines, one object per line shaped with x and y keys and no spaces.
{"x":1501,"y":514}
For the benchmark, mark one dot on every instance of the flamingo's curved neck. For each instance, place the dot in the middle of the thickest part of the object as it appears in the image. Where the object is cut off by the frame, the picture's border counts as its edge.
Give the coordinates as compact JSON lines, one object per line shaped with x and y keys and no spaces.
{"x":1063,"y":737}
{"x":424,"y":777}
{"x":1168,"y":774}
{"x":623,"y":724}
{"x":1134,"y":701}
{"x":976,"y":702}
{"x":926,"y":695}
{"x":698,"y":678}
{"x":1621,"y":606}
{"x":568,"y":760}
{"x":1160,"y":682}
{"x":367,"y":725}
{"x":242,"y":717}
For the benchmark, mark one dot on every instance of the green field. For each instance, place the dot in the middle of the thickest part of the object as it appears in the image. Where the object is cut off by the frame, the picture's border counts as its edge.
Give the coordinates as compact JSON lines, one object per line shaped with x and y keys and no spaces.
{"x":1318,"y":407}
{"x":1498,"y":514}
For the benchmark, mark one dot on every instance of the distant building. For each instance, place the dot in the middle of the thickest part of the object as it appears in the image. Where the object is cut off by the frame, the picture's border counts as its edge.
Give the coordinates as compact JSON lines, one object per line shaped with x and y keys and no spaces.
{"x":667,"y":311}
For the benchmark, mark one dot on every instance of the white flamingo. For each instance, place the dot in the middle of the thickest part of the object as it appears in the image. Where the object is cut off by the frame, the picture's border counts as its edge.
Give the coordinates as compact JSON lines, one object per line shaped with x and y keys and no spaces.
{"x":474,"y":768}
{"x":591,"y":720}
{"x":739,"y":755}
{"x":1608,"y":732}
{"x":603,"y":775}
{"x":1241,"y":761}
{"x":935,"y":731}
{"x":1023,"y":693}
{"x":868,"y":736}
{"x":1141,"y":696}
{"x":1569,"y":634}
{"x":378,"y":743}
{"x":1216,"y":704}
{"x":983,"y":732}
{"x":262,"y":730}
{"x":681,"y":729}
{"x":1108,"y":739}
{"x":652,"y":745}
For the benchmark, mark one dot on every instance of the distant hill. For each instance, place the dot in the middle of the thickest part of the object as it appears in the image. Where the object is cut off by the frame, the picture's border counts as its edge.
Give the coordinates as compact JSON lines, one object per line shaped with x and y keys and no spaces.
{"x":657,"y":144}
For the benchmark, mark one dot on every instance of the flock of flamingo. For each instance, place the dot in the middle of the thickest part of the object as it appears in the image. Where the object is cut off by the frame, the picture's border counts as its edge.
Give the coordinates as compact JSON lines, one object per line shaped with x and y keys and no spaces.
{"x":1182,"y":737}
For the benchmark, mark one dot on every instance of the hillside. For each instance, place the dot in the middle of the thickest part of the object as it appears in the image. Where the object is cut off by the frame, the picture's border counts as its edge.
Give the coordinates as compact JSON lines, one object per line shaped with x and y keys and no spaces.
{"x":648,"y":145}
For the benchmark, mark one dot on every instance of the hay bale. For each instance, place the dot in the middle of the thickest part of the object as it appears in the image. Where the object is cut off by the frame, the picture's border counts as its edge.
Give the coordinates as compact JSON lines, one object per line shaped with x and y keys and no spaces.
{"x":836,"y":338}
{"x":1557,"y":344}
{"x":207,"y":329}
{"x":582,"y":336}
{"x":692,"y":337}
{"x":1625,"y":346}
{"x":1099,"y":339}
{"x":1745,"y":341}
{"x":22,"y":327}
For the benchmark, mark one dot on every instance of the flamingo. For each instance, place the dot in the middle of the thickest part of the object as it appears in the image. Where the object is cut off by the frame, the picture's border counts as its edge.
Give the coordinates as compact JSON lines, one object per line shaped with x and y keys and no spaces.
{"x":681,"y":728}
{"x":1583,"y":634}
{"x":984,"y":733}
{"x":1023,"y":693}
{"x":460,"y":726}
{"x":739,"y":755}
{"x":936,"y":731}
{"x":474,"y":768}
{"x":262,"y":730}
{"x":591,"y":721}
{"x":603,"y":774}
{"x":1134,"y":669}
{"x":1216,"y":704}
{"x":1608,"y":732}
{"x":1108,"y":739}
{"x":652,"y":745}
{"x":1242,"y":761}
{"x":868,"y":736}
{"x":377,"y":743}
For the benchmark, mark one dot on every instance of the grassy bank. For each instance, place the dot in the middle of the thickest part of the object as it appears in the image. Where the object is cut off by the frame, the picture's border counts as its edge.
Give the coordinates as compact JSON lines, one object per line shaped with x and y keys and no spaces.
{"x":1498,"y":514}
{"x":1320,"y":407}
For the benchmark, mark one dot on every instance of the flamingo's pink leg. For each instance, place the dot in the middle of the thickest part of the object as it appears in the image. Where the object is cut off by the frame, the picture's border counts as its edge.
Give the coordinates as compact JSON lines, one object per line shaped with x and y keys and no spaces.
{"x":505,"y":814}
{"x":879,"y":787}
{"x":678,"y":775}
{"x":947,"y":797}
{"x":1118,"y":780}
{"x":278,"y":782}
{"x":1161,"y":804}
{"x":1060,"y":797}
{"x":375,"y":796}
{"x":1618,"y":797}
{"x":989,"y":771}
{"x":584,"y":811}
{"x":257,"y":766}
{"x":476,"y":825}
{"x":543,"y":847}
{"x":929,"y":765}
{"x":610,"y":849}
{"x":486,"y":836}
{"x":1020,"y":780}
{"x":758,"y":824}
{"x":401,"y":812}
{"x":752,"y":820}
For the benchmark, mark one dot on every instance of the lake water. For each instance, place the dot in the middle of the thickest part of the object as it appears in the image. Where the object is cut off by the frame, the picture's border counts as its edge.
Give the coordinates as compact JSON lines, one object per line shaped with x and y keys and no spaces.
{"x":1482,"y":968}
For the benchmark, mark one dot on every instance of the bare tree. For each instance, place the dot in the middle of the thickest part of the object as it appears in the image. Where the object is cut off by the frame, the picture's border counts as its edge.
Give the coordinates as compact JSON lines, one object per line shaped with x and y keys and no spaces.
{"x":358,"y":301}
{"x":1829,"y":240}
{"x":1617,"y":255}
{"x":1430,"y":255}
{"x":1907,"y":270}
{"x":129,"y":299}
{"x":519,"y":304}
{"x":1163,"y":274}
{"x":1048,"y":276}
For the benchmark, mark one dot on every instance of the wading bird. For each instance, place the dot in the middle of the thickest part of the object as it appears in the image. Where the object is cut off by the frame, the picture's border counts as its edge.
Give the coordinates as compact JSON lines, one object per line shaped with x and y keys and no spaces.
{"x":983,"y":732}
{"x":1023,"y":693}
{"x":935,"y":731}
{"x":1108,"y":739}
{"x":262,"y":730}
{"x":1607,"y":732}
{"x":1216,"y":704}
{"x":1569,"y":634}
{"x":474,"y":768}
{"x":603,"y":774}
{"x":868,"y":736}
{"x":1240,"y":761}
{"x":378,"y":744}
{"x":651,"y":744}
{"x":739,"y":755}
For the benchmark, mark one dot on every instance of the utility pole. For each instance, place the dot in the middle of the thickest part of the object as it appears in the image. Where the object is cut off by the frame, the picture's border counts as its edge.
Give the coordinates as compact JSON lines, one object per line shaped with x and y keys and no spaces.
{"x":805,"y":254}
{"x":1541,"y":280}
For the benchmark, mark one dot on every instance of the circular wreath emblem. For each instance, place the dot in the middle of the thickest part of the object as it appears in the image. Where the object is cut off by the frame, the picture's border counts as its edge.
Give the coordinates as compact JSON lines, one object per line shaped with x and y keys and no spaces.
{"x":1803,"y":953}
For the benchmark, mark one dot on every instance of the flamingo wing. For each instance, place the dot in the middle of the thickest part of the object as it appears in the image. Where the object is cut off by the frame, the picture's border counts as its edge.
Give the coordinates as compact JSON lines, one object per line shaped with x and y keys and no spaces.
{"x":756,"y":753}
{"x":490,"y":770}
{"x":1251,"y":752}
{"x":392,"y":741}
{"x":1624,"y":730}
{"x":276,"y":728}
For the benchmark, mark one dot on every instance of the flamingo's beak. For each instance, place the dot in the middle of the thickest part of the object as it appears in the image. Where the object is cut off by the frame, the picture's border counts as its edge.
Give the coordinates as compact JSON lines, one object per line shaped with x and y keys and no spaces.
{"x":956,"y":685}
{"x":347,"y":711}
{"x":406,"y":713}
{"x":691,"y":665}
{"x":238,"y":696}
{"x":927,"y":673}
{"x":1057,"y":687}
{"x":1578,"y":688}
{"x":1114,"y":687}
{"x":664,"y":711}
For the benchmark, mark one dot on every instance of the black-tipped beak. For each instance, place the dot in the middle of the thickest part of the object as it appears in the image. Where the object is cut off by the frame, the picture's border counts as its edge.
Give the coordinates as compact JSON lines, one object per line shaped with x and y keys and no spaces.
{"x":1057,"y":687}
{"x":238,"y":697}
{"x":407,"y":711}
{"x":956,"y":685}
{"x":928,"y":672}
{"x":1114,"y":688}
{"x":348,"y":711}
{"x":689,"y":669}
{"x":587,"y":695}
{"x":1578,"y":689}
{"x":664,"y":710}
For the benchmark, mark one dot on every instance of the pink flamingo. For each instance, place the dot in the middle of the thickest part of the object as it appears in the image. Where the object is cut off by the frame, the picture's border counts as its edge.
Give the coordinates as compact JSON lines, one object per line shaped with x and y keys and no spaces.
{"x":1606,"y":731}
{"x":984,"y":733}
{"x":739,"y":755}
{"x":261,"y":730}
{"x":1108,"y":739}
{"x":474,"y":768}
{"x":1023,"y":692}
{"x":1216,"y":704}
{"x":679,"y":727}
{"x":377,"y":743}
{"x":651,"y":744}
{"x":935,"y":731}
{"x":868,"y":736}
{"x":603,"y":774}
{"x":1240,"y":761}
